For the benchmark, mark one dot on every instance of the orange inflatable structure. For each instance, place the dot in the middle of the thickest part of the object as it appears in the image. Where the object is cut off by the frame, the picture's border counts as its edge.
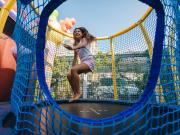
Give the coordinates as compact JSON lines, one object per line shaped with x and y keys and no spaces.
{"x":7,"y":66}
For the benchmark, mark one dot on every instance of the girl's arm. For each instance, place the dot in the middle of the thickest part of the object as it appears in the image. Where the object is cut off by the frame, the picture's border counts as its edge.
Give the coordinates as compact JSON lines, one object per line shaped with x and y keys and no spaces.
{"x":68,"y":47}
{"x":82,"y":44}
{"x":75,"y":58}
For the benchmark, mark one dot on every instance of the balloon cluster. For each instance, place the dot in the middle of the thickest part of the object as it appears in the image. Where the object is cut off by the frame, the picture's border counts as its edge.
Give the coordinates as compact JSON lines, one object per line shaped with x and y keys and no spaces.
{"x":65,"y":25}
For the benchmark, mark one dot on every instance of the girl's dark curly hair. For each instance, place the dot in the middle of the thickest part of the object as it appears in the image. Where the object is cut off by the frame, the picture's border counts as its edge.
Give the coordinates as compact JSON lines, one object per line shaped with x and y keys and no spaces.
{"x":85,"y":34}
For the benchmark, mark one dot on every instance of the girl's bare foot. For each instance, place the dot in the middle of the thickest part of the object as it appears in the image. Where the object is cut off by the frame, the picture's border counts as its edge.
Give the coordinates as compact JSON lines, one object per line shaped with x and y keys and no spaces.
{"x":77,"y":96}
{"x":72,"y":98}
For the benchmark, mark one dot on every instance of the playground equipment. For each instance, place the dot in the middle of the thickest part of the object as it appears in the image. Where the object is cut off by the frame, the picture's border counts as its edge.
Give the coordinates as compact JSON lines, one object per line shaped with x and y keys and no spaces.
{"x":141,"y":65}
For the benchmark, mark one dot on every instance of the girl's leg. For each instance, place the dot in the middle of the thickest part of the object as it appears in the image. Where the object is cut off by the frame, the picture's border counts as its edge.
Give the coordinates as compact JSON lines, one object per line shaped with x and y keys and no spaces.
{"x":69,"y":77}
{"x":75,"y":71}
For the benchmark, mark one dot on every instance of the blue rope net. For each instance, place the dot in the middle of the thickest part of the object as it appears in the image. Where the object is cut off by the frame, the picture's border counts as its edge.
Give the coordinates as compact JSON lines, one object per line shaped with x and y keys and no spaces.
{"x":148,"y":83}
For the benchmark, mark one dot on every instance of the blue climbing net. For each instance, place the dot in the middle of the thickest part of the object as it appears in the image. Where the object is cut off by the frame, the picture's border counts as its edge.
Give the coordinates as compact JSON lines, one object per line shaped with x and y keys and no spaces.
{"x":149,"y":82}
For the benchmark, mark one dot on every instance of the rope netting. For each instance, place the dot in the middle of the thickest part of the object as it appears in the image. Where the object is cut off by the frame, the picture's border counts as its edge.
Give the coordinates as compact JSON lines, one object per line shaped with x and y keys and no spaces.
{"x":139,"y":67}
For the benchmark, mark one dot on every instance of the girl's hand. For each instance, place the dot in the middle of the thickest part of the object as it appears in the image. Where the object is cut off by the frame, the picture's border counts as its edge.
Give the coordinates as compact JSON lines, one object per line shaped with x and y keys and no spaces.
{"x":68,"y":47}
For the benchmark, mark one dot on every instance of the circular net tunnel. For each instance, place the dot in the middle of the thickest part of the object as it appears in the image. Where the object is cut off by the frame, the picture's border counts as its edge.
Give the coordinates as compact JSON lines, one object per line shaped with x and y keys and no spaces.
{"x":134,"y":88}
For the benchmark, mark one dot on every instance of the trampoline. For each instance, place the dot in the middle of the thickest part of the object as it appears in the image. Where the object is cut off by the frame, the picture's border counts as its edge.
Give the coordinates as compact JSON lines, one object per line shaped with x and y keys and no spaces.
{"x":149,"y":108}
{"x":84,"y":109}
{"x":51,"y":122}
{"x":94,"y":110}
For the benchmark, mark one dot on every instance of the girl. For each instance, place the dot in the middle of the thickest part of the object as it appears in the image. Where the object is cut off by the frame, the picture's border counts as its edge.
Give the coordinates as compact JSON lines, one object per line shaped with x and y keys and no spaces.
{"x":82,"y":41}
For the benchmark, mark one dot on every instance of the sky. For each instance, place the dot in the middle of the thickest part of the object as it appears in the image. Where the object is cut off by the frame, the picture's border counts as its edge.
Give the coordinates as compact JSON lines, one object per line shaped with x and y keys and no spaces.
{"x":102,"y":17}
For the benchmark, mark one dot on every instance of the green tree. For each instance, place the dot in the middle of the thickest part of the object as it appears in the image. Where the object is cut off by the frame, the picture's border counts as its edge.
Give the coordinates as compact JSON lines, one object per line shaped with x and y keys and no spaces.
{"x":102,"y":61}
{"x":59,"y":83}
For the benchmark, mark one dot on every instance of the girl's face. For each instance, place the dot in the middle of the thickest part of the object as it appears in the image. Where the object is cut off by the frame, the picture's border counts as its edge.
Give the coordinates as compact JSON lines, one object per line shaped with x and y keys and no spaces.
{"x":77,"y":33}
